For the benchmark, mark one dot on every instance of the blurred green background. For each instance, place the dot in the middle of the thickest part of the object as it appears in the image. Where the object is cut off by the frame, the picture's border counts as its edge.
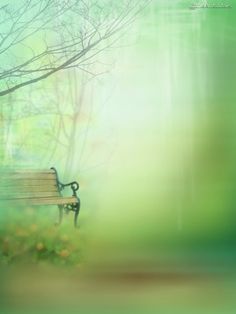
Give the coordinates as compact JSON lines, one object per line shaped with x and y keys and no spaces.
{"x":153,"y":145}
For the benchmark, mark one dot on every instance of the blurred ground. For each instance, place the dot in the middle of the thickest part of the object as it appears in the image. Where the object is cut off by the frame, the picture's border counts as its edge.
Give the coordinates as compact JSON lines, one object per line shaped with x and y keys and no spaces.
{"x":49,"y":269}
{"x":34,"y":291}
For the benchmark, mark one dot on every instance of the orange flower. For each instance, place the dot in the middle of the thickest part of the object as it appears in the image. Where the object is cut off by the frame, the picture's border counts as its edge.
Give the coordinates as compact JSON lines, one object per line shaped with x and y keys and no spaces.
{"x":39,"y":246}
{"x":64,"y":253}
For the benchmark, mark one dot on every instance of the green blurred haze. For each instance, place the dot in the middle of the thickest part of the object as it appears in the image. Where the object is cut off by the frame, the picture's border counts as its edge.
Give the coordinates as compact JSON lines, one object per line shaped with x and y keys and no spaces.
{"x":155,"y":150}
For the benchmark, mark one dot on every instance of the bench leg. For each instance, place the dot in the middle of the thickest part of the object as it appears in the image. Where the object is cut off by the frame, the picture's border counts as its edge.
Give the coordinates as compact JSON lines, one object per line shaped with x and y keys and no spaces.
{"x":77,"y":208}
{"x":60,"y":207}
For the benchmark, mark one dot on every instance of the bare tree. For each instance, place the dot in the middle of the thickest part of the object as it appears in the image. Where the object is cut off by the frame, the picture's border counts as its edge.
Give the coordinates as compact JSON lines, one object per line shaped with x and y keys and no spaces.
{"x":32,"y":48}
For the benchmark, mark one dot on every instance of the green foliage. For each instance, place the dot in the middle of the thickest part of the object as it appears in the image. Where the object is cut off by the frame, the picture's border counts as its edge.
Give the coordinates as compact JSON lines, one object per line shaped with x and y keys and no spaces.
{"x":30,"y":238}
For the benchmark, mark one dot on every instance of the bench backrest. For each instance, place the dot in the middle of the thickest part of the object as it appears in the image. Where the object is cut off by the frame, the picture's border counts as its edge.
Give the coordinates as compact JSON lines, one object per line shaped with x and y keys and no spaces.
{"x":28,"y":184}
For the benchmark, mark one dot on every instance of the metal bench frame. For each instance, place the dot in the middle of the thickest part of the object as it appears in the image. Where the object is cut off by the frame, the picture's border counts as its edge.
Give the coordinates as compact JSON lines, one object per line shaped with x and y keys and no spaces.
{"x":75,"y":207}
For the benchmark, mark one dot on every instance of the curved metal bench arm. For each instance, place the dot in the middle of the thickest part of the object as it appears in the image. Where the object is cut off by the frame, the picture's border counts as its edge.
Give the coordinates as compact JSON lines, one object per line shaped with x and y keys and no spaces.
{"x":74,"y":185}
{"x":75,"y":207}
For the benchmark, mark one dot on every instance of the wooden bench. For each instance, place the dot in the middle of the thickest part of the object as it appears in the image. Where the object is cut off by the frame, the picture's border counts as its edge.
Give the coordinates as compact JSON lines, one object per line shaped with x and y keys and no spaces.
{"x":39,"y":187}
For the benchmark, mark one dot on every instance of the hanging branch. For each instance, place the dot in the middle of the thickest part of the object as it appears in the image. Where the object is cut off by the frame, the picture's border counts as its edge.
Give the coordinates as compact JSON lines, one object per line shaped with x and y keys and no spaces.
{"x":31,"y":49}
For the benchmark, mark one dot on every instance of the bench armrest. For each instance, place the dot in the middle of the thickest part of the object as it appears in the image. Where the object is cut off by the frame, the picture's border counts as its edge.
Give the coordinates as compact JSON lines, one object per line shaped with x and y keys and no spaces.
{"x":73,"y":185}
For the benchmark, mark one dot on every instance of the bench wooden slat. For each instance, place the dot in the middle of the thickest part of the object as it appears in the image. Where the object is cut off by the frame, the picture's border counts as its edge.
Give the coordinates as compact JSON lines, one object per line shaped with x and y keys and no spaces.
{"x":27,"y":171}
{"x":27,"y":194}
{"x":29,"y":175}
{"x":43,"y":201}
{"x":32,"y":188}
{"x":28,"y":182}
